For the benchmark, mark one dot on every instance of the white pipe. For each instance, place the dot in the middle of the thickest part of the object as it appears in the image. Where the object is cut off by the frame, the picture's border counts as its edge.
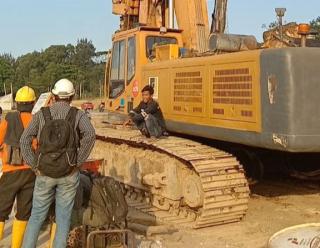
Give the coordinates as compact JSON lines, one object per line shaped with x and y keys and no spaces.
{"x":171,"y":13}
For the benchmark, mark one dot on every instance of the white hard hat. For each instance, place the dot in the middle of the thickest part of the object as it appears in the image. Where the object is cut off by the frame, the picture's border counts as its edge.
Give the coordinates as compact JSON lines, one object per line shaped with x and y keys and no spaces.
{"x":63,"y":88}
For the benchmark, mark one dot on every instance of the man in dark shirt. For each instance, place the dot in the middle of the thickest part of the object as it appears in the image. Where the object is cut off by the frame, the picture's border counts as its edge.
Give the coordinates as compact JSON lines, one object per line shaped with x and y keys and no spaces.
{"x":147,"y":116}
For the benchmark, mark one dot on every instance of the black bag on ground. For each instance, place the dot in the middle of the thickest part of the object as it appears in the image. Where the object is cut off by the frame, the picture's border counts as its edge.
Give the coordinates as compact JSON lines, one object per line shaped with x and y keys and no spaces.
{"x":57,"y":153}
{"x":12,"y":138}
{"x":107,"y":204}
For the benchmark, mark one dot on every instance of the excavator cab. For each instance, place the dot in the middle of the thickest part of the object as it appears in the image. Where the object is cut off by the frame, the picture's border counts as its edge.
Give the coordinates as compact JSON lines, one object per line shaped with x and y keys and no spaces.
{"x":130,"y":51}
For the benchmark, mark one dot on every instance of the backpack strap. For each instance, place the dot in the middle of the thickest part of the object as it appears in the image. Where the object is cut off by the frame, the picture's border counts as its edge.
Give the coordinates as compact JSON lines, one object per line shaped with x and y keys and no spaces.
{"x":14,"y":116}
{"x":20,"y":123}
{"x":46,"y":114}
{"x":71,"y":117}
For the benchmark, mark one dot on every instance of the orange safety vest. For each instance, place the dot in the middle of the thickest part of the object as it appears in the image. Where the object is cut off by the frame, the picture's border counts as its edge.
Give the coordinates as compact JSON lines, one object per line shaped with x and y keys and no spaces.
{"x":25,"y":118}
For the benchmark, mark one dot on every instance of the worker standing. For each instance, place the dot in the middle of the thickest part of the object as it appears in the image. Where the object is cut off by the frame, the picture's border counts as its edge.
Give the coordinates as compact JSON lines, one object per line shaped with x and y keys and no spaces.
{"x":17,"y":180}
{"x":66,"y":138}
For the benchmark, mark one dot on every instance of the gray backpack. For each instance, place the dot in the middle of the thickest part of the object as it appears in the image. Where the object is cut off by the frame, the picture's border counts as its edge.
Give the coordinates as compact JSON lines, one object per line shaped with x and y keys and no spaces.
{"x":107,"y":204}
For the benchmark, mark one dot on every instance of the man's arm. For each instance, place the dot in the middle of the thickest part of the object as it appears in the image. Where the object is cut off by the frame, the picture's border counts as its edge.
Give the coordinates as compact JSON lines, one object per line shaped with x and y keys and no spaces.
{"x":152,"y":108}
{"x":28,"y":135}
{"x":138,"y":108}
{"x":88,"y":137}
{"x":135,"y":115}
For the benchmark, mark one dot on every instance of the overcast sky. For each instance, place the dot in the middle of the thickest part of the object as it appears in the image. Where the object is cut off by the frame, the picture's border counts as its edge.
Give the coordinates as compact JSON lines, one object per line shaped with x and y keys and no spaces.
{"x":28,"y":25}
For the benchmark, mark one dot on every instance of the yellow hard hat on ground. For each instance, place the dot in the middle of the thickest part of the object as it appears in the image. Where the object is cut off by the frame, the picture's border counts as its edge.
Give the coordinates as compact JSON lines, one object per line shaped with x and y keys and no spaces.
{"x":25,"y":94}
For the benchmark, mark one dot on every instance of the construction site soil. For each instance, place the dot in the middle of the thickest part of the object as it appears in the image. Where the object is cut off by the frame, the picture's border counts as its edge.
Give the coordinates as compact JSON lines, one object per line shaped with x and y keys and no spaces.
{"x":274,"y":204}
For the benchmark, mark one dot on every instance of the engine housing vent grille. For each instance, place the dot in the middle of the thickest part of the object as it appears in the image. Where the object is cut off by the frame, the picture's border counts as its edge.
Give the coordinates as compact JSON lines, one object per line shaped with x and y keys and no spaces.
{"x":188,"y":92}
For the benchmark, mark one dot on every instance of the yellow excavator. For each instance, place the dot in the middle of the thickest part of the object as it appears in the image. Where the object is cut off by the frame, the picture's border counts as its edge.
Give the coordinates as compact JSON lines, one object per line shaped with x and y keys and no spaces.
{"x":240,"y":96}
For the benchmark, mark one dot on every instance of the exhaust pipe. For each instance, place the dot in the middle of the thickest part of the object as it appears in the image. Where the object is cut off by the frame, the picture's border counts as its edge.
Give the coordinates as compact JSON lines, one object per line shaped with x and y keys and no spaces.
{"x":280,"y":14}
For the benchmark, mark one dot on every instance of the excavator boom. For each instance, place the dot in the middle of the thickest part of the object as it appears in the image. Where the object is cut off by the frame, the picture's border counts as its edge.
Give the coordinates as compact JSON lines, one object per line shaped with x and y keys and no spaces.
{"x":191,"y":16}
{"x":219,"y":16}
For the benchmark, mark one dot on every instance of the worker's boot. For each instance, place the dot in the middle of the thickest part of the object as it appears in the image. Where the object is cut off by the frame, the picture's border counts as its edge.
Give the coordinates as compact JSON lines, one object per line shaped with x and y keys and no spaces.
{"x":52,"y":234}
{"x":1,"y":229}
{"x":18,"y":230}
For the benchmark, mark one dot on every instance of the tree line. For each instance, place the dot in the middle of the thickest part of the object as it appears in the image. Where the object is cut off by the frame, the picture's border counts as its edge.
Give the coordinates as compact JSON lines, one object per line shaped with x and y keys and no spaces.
{"x":80,"y":63}
{"x":315,"y":25}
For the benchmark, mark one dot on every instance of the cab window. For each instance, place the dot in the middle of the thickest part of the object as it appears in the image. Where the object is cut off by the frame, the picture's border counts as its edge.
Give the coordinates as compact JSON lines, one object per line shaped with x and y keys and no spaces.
{"x":153,"y":41}
{"x":117,"y":78}
{"x":131,"y":59}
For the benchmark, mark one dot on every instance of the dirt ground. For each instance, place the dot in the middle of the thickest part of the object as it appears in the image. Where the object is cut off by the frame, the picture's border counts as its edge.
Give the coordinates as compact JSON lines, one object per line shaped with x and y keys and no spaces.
{"x":275,"y":204}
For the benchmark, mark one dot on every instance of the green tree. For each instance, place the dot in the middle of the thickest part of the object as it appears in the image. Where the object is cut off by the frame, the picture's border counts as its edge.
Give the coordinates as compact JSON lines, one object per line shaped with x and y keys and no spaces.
{"x":88,"y":72}
{"x":29,"y":68}
{"x":315,"y":24}
{"x":84,"y":52}
{"x":41,"y":70}
{"x":7,"y":72}
{"x":273,"y":25}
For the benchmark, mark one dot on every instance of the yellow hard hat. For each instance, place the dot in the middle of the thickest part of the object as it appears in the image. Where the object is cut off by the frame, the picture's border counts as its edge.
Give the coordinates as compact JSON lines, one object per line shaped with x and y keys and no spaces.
{"x":25,"y":94}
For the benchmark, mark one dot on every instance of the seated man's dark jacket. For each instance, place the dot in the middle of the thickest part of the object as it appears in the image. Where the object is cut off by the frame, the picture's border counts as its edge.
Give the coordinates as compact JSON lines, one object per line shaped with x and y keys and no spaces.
{"x":153,"y":108}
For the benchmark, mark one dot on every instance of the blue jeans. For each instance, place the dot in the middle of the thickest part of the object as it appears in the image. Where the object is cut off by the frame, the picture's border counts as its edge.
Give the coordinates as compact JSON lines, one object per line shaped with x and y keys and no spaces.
{"x":47,"y":190}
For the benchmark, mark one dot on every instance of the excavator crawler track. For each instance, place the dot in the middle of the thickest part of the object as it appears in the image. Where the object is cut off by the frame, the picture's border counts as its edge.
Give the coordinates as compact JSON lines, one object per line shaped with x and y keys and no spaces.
{"x":214,"y":176}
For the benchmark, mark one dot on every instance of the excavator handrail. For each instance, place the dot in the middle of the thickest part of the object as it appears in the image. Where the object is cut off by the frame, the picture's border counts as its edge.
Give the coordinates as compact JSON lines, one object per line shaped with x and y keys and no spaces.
{"x":171,"y":30}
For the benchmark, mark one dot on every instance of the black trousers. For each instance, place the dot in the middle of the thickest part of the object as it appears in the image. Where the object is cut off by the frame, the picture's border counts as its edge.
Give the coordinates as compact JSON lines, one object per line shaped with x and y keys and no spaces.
{"x":152,"y":125}
{"x":16,"y":185}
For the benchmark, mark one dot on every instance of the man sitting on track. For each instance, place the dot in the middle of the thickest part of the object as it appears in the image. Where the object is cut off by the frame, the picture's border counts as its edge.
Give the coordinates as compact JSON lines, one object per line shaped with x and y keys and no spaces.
{"x":147,"y":116}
